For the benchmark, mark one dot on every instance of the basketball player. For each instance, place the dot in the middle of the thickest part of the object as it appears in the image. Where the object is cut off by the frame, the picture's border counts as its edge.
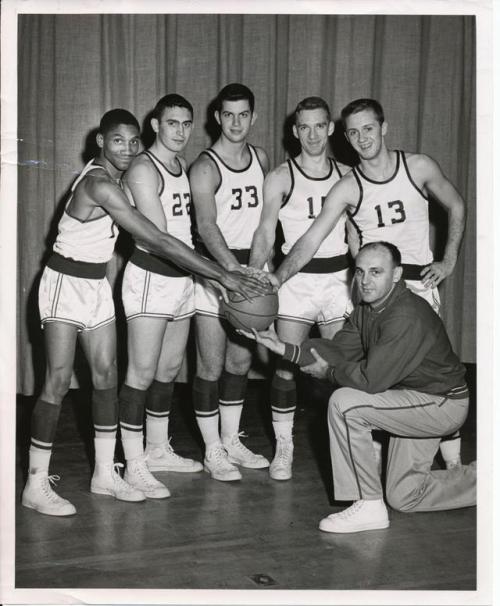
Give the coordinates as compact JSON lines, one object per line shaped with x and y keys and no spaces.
{"x":158,"y":297}
{"x":398,"y":373}
{"x":75,"y":301}
{"x":226,"y":183}
{"x":386,"y":197}
{"x":320,"y":292}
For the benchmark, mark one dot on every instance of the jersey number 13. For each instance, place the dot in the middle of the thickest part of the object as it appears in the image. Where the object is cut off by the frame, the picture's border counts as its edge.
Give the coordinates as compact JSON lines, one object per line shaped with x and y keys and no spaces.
{"x":395,"y":213}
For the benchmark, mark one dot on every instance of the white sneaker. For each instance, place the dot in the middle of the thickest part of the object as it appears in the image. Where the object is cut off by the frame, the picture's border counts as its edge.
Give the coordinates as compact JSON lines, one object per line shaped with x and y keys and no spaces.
{"x":138,"y":475}
{"x":361,"y":515}
{"x":106,"y":479}
{"x":239,"y":454}
{"x":161,"y":457}
{"x":218,"y":466}
{"x":38,"y":495}
{"x":281,"y":465}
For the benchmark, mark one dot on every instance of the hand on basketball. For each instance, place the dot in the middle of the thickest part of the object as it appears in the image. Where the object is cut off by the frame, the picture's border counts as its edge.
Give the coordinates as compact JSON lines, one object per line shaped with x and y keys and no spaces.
{"x":268,"y":338}
{"x":318,"y":369}
{"x":246,"y":285}
{"x":436,"y":272}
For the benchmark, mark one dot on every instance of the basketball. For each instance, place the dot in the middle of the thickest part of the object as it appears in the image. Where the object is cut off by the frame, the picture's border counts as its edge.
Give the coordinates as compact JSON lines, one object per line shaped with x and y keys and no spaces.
{"x":258,"y":313}
{"x":323,"y":348}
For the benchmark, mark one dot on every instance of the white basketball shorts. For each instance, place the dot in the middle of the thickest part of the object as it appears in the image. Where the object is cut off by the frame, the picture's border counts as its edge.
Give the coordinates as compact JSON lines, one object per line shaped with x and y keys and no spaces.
{"x":316,"y":298}
{"x":87,"y":303}
{"x":148,"y":294}
{"x":431,"y":295}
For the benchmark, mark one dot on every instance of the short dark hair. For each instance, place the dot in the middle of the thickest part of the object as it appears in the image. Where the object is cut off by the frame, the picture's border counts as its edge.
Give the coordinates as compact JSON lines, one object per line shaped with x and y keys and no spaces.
{"x":392,"y":249}
{"x":312,"y":103}
{"x":171,"y":100}
{"x":359,"y":105}
{"x":114,"y":117}
{"x":234,"y":92}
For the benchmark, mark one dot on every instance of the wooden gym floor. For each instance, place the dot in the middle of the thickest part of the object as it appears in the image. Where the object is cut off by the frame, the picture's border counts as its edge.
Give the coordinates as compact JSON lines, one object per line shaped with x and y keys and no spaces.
{"x":253,"y":534}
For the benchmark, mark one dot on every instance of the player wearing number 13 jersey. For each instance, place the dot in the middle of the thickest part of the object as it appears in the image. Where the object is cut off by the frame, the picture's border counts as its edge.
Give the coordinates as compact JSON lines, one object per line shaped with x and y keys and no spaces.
{"x":226,"y":183}
{"x":386,"y":198}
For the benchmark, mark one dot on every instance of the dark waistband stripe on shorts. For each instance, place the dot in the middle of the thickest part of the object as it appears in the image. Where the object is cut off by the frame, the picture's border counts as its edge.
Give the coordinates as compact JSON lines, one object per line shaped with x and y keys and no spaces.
{"x":242,"y":254}
{"x":78,"y":269}
{"x":326,"y":265}
{"x":412,"y":272}
{"x":157,"y":265}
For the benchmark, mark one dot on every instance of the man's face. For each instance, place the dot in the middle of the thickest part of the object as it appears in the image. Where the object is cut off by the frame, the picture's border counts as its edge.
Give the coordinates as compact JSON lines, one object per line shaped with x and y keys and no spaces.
{"x":312,"y":128}
{"x":375,"y":274}
{"x":120,"y":145}
{"x":174,"y":128}
{"x":365,"y":133}
{"x":235,"y":119}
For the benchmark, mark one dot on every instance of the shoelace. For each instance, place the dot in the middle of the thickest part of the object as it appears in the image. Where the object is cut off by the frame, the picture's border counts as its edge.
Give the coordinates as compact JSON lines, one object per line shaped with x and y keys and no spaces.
{"x":350,"y":511}
{"x":171,"y":451}
{"x":144,"y":473}
{"x":219,"y":455}
{"x":117,"y":478}
{"x":47,"y":488}
{"x":283,"y":454}
{"x":235,"y":442}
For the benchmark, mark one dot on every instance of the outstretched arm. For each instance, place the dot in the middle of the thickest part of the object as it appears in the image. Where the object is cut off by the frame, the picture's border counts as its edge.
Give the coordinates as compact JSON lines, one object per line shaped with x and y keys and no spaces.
{"x":114,"y":201}
{"x":276,"y":186}
{"x":428,"y":172}
{"x":339,"y":198}
{"x":204,"y":180}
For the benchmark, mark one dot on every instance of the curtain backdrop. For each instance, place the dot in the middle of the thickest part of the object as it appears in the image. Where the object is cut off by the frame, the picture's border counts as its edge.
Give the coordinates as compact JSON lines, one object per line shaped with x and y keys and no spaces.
{"x":73,"y":68}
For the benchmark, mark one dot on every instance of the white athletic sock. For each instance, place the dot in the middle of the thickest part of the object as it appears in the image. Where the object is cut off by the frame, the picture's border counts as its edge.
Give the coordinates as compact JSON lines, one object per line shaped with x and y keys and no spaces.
{"x":39,"y":459}
{"x":283,"y":429}
{"x":230,"y":420}
{"x":283,"y":417}
{"x":156,"y":430}
{"x":209,"y":428}
{"x":104,"y":449}
{"x":450,"y":449}
{"x":133,"y":446}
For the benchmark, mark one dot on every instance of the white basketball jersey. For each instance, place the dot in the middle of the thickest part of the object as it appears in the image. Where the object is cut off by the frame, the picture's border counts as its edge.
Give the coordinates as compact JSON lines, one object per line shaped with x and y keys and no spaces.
{"x":303,"y":204}
{"x":394,"y":210}
{"x":93,"y":240}
{"x":238,"y":200}
{"x":175,"y":197}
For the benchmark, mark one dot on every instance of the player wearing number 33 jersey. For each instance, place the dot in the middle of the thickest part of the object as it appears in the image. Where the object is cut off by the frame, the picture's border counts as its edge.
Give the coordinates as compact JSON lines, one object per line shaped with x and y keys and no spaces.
{"x":238,"y":202}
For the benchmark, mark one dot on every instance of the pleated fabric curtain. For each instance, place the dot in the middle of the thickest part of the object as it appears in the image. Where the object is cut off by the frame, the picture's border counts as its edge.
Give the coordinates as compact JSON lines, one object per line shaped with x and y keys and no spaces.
{"x":73,"y":68}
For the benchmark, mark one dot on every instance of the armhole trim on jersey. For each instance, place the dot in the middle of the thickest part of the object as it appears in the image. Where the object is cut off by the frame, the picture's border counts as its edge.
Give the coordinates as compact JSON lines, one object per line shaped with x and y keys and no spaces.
{"x":405,"y":164}
{"x":149,"y":153}
{"x":254,"y":151}
{"x":153,"y":160}
{"x":214,"y":157}
{"x":292,"y":184}
{"x":85,"y":171}
{"x":336,"y":167}
{"x":360,"y":185}
{"x":356,"y":227}
{"x":106,"y":214}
